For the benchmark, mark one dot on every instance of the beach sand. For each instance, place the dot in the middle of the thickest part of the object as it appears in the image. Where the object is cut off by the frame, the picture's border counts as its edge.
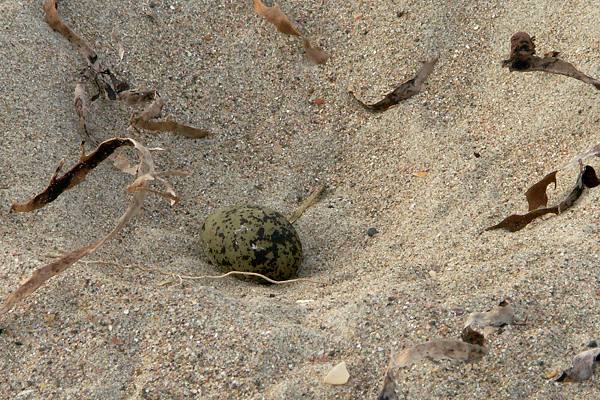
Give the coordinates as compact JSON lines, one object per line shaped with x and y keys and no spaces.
{"x":112,"y":330}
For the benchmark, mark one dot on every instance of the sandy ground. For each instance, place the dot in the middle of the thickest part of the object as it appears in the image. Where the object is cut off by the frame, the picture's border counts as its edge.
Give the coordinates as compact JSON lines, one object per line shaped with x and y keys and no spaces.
{"x":111,"y":332}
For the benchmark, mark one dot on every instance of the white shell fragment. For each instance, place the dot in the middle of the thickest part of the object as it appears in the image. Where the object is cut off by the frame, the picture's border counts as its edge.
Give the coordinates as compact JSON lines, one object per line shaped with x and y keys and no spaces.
{"x":338,"y":375}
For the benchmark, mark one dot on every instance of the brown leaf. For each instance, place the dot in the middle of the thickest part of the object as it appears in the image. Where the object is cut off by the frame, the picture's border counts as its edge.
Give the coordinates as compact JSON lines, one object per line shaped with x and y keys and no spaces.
{"x":439,"y":349}
{"x":536,"y":194}
{"x":72,"y":177}
{"x":146,"y":173}
{"x":81,"y":104}
{"x":314,"y":54}
{"x":523,"y":59}
{"x":402,"y":92}
{"x":275,"y":16}
{"x":583,"y":367}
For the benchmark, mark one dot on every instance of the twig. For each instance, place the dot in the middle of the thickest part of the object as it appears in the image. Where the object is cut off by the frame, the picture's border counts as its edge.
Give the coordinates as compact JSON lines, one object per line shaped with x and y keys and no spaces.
{"x":308,"y":202}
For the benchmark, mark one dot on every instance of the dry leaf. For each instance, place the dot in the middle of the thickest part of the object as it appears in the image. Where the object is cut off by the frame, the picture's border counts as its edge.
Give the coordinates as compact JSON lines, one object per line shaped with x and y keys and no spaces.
{"x":421,"y":174}
{"x":388,"y":392}
{"x":72,"y":177}
{"x":536,"y":194}
{"x":275,"y":16}
{"x":448,"y":349}
{"x":523,"y":59}
{"x":338,"y":375}
{"x":583,"y":367}
{"x":502,"y":314}
{"x":314,"y":54}
{"x":146,"y":173}
{"x":402,"y":92}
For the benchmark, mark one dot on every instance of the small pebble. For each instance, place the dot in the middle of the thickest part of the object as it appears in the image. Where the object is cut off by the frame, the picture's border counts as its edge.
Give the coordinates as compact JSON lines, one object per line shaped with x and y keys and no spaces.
{"x":372,"y":232}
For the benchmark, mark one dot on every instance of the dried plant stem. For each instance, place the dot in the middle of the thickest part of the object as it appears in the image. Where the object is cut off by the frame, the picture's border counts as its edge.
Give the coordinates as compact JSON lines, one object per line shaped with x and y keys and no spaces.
{"x":198,"y":277}
{"x":308,"y":202}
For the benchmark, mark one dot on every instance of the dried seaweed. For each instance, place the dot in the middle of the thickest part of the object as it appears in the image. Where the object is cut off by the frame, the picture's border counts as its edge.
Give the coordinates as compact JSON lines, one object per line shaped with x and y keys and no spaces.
{"x":146,"y":173}
{"x":513,"y":223}
{"x":113,"y":87}
{"x":275,"y":16}
{"x":146,"y":120}
{"x":314,"y":54}
{"x":536,"y":194}
{"x":73,"y":177}
{"x":583,"y":367}
{"x":282,"y":23}
{"x":404,"y":91}
{"x":523,"y":59}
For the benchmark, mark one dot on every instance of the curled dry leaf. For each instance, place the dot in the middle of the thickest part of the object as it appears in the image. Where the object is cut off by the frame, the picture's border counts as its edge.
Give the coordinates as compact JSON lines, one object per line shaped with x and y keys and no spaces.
{"x":523,"y":59}
{"x":583,"y":367}
{"x":275,"y":16}
{"x":448,"y":349}
{"x":314,"y":54}
{"x":402,"y":92}
{"x":513,"y":223}
{"x":146,"y":173}
{"x":501,"y":315}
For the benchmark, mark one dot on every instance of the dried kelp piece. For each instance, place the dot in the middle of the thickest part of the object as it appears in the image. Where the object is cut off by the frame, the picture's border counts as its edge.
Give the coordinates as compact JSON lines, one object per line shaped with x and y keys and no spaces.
{"x":73,"y":177}
{"x":145,"y":120}
{"x":516,"y":222}
{"x":501,"y":315}
{"x":523,"y":59}
{"x":81,"y":104}
{"x":388,"y":392}
{"x":536,"y":194}
{"x":134,"y":97}
{"x":448,"y":349}
{"x":103,"y":76}
{"x":583,"y":367}
{"x":54,"y":21}
{"x":275,"y":16}
{"x":146,"y":173}
{"x":314,"y":54}
{"x":402,"y":92}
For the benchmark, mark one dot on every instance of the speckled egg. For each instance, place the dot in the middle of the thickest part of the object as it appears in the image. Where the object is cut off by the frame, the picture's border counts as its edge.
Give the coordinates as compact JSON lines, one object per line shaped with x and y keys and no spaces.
{"x":252,"y":239}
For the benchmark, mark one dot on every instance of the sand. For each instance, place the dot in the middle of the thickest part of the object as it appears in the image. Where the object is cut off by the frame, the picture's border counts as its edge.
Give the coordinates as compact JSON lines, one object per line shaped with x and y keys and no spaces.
{"x":113,"y":331}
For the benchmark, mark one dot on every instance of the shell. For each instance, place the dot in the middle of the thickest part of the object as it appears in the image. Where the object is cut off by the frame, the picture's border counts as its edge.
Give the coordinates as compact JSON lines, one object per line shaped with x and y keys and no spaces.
{"x":252,"y":239}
